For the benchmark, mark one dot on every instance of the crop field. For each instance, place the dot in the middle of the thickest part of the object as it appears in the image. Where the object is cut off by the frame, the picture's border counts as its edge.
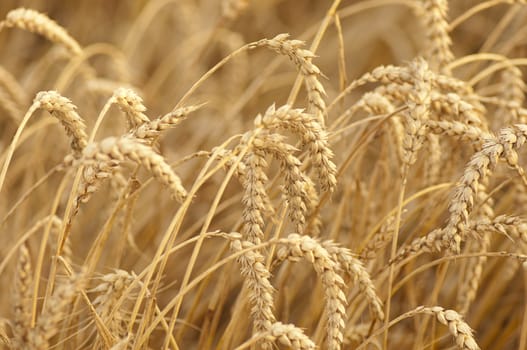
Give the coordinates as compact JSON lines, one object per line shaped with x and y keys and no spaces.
{"x":250,"y":174}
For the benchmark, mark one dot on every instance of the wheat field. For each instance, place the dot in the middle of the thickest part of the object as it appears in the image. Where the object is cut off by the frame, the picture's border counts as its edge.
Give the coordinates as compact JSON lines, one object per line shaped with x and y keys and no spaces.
{"x":282,"y":174}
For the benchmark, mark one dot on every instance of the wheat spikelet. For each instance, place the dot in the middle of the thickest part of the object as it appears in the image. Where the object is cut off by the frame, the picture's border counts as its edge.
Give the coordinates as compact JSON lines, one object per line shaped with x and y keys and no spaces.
{"x":39,"y":23}
{"x":296,"y":247}
{"x":438,"y":44}
{"x":256,"y":276}
{"x":228,"y":157}
{"x":65,"y":111}
{"x":431,"y":242}
{"x":389,"y":75}
{"x":358,"y":273}
{"x":126,"y":148}
{"x":302,"y":59}
{"x":22,"y":299}
{"x":132,"y":106}
{"x":312,"y":135}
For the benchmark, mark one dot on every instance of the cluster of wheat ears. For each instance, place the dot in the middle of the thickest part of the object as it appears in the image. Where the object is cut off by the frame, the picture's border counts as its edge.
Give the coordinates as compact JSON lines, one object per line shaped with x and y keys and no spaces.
{"x":220,"y":184}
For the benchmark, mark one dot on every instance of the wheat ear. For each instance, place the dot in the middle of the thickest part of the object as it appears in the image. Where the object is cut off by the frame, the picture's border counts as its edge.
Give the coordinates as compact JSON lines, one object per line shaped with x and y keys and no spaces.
{"x":296,"y":182}
{"x":512,"y":226}
{"x":288,"y":335}
{"x":358,"y":273}
{"x":478,"y":168}
{"x":302,"y":59}
{"x":23,"y":295}
{"x":438,"y":40}
{"x":111,"y":289}
{"x":459,"y":329}
{"x":296,"y":247}
{"x":255,"y":197}
{"x":132,"y":106}
{"x":513,"y":93}
{"x":474,"y":269}
{"x":153,"y":128}
{"x":48,"y":323}
{"x":66,"y":112}
{"x":39,"y":23}
{"x":127,"y":148}
{"x":418,"y":111}
{"x":311,"y":133}
{"x":256,"y":276}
